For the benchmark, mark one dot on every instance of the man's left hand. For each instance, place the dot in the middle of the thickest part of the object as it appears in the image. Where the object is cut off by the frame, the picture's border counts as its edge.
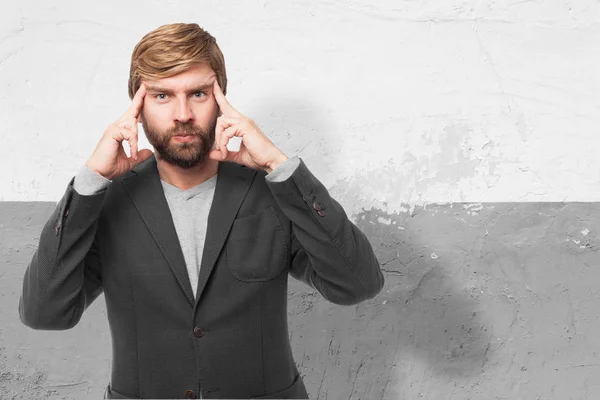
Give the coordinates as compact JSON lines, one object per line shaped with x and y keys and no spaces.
{"x":256,"y":150}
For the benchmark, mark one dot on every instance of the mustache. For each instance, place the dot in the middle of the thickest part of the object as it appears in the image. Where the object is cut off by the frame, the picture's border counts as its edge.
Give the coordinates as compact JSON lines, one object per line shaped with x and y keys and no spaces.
{"x":185,"y":129}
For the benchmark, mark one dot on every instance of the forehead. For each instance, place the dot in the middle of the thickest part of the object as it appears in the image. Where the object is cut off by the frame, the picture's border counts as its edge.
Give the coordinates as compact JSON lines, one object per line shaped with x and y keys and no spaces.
{"x":198,"y":75}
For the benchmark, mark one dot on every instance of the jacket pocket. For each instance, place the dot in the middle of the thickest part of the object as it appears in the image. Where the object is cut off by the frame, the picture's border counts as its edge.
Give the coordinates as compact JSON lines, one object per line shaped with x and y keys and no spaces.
{"x":256,"y":250}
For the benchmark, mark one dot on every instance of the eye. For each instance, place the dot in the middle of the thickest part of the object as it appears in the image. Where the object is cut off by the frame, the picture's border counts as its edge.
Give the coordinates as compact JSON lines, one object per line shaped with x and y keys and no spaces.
{"x":199,"y":95}
{"x":160,"y":96}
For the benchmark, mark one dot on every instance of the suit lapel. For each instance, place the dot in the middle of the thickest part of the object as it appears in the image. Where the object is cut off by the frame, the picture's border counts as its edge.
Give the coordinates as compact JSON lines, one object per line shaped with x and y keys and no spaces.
{"x":233,"y":182}
{"x":146,"y":192}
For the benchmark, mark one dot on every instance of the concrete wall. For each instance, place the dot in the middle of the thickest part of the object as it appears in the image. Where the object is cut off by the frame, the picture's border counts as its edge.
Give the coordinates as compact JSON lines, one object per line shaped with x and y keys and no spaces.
{"x":460,"y":136}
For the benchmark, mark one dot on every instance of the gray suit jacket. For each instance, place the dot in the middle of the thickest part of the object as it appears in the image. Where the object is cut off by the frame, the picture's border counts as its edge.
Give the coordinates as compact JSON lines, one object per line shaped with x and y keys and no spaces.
{"x":232,"y":341}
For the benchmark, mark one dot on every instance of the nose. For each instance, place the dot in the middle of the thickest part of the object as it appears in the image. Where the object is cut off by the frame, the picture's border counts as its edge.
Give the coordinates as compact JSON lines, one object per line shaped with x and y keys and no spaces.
{"x":183,"y":112}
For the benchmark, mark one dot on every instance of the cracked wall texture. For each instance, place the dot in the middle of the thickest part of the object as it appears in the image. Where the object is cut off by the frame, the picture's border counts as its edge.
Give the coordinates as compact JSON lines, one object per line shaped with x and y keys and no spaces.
{"x":460,"y":135}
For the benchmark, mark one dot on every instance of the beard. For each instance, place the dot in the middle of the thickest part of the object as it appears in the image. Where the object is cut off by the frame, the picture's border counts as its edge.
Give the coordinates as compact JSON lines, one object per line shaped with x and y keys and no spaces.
{"x":184,"y":154}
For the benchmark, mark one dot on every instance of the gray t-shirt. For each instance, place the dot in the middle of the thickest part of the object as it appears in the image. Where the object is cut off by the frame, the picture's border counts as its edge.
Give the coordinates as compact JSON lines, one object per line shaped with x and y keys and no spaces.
{"x":190,"y":209}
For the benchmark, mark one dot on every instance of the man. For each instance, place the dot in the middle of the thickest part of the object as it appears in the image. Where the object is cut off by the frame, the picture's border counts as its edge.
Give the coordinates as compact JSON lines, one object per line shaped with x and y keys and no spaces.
{"x":192,"y":244}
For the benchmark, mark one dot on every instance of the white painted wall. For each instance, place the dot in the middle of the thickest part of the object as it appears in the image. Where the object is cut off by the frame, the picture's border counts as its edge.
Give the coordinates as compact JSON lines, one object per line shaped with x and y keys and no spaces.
{"x":398,"y":103}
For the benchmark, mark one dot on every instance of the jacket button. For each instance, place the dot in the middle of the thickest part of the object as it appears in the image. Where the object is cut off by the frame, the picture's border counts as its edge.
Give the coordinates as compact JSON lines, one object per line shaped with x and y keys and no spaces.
{"x":321,"y":213}
{"x":198,"y":332}
{"x":317,"y":206}
{"x":189,"y":394}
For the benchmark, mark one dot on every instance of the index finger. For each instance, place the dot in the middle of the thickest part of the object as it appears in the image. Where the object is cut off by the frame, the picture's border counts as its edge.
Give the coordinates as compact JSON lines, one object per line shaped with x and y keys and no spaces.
{"x":137,"y":102}
{"x":226,"y":108}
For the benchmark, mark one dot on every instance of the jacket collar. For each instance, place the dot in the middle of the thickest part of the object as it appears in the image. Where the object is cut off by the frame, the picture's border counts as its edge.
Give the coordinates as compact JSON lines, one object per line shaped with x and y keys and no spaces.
{"x":143,"y":186}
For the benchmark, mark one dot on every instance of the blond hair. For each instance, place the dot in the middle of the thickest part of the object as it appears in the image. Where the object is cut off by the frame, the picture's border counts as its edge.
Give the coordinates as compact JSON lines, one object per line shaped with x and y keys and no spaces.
{"x":174,"y":48}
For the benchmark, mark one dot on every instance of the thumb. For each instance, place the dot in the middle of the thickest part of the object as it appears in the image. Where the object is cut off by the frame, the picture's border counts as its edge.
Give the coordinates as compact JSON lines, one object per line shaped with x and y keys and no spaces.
{"x":215,"y":155}
{"x":142,"y":155}
{"x":232,"y":156}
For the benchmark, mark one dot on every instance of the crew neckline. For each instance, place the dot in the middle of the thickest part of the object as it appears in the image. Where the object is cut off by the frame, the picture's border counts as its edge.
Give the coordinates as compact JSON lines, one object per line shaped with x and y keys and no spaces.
{"x":191,"y":192}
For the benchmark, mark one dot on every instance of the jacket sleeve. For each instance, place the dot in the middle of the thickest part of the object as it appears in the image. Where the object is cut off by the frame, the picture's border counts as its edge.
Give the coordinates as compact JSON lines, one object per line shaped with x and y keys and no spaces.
{"x":328,"y":251}
{"x":63,"y":277}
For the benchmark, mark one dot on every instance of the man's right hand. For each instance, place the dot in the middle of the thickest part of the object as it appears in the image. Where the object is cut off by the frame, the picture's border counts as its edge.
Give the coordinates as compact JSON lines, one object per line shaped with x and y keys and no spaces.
{"x":109,"y":158}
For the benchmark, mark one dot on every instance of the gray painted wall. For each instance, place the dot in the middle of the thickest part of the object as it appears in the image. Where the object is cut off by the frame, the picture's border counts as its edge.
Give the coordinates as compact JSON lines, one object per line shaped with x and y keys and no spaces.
{"x":495,"y":301}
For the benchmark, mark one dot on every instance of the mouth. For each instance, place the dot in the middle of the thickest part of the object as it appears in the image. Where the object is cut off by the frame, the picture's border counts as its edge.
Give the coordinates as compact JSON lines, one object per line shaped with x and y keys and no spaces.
{"x":184,"y":137}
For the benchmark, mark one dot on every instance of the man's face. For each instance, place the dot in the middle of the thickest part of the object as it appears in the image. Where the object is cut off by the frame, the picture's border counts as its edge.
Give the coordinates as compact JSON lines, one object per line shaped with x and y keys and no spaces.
{"x":180,"y":114}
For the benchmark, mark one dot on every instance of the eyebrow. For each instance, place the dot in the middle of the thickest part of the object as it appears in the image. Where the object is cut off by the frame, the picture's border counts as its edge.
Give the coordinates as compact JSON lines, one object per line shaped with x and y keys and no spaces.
{"x":194,"y":89}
